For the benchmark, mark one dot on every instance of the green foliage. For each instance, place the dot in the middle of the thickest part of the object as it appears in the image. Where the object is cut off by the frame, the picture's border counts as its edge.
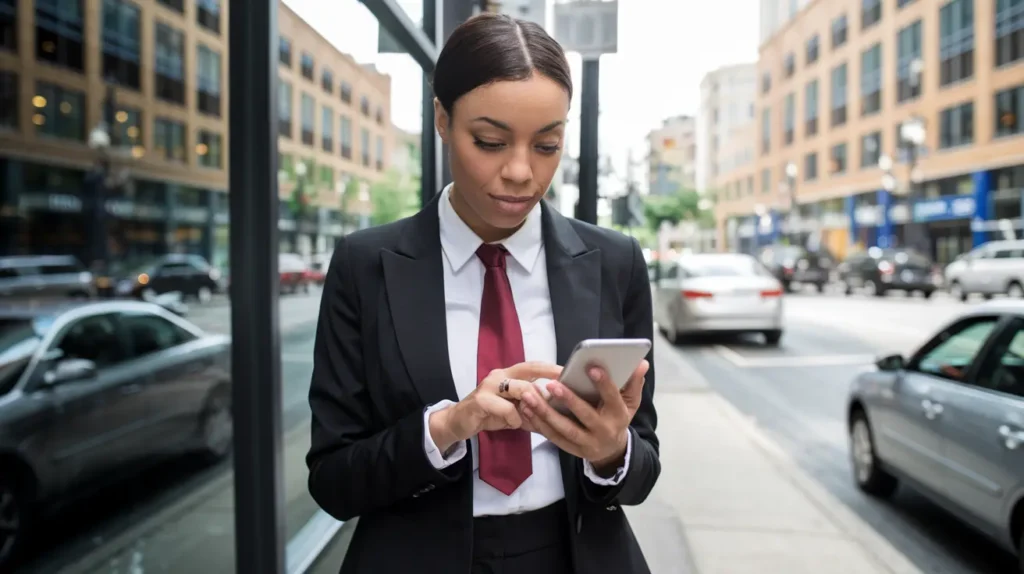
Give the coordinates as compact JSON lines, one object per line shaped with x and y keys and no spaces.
{"x":394,"y":197}
{"x":681,"y":206}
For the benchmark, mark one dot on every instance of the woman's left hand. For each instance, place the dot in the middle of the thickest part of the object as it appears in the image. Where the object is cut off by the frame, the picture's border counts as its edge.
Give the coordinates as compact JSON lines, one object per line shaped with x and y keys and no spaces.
{"x":601,"y":435}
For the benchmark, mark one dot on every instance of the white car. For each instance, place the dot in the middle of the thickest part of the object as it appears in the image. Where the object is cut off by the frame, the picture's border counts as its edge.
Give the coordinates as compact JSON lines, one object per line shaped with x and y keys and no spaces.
{"x":724,"y":293}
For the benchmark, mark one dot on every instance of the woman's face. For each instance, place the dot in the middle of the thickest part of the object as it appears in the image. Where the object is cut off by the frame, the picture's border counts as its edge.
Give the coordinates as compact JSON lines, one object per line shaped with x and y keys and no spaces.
{"x":505,"y":142}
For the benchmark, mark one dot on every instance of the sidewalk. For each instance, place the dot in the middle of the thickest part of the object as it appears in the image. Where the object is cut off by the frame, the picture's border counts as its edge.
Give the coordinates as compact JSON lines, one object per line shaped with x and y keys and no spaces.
{"x":295,"y":310}
{"x":729,"y":501}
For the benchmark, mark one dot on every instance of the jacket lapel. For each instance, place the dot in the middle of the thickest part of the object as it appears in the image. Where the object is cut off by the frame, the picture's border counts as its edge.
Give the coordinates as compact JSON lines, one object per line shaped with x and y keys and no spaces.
{"x":414,"y":281}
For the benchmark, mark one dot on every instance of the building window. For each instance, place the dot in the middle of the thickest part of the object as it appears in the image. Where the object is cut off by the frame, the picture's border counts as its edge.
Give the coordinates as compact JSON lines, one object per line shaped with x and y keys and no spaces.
{"x":790,"y":65}
{"x":346,"y":92}
{"x":176,"y":5}
{"x":380,"y":153}
{"x":789,"y":120}
{"x":870,"y":149}
{"x":956,"y":125}
{"x":121,"y":43}
{"x":284,"y":51}
{"x":380,"y":115}
{"x":811,"y":167}
{"x":284,"y":109}
{"x":956,"y":42}
{"x":170,"y":64}
{"x":59,"y":33}
{"x":364,"y":146}
{"x":364,"y":106}
{"x":870,"y":13}
{"x":838,"y":159}
{"x":9,"y":25}
{"x":811,"y":108}
{"x":127,"y":129}
{"x":8,"y":100}
{"x":327,"y":129}
{"x":766,"y":82}
{"x":169,"y":139}
{"x":327,"y":81}
{"x":1009,"y":111}
{"x":909,"y":63}
{"x":1009,"y":31}
{"x":306,"y":62}
{"x":308,"y":118}
{"x":208,"y":14}
{"x":839,"y":29}
{"x":209,"y":150}
{"x":766,"y":180}
{"x":59,"y":112}
{"x":766,"y":130}
{"x":209,"y":81}
{"x":812,"y":49}
{"x":871,"y":80}
{"x":839,"y":95}
{"x":346,"y":137}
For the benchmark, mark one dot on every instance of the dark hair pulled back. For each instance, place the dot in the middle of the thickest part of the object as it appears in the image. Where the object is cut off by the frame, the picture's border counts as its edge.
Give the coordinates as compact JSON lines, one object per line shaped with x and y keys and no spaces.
{"x":492,"y":48}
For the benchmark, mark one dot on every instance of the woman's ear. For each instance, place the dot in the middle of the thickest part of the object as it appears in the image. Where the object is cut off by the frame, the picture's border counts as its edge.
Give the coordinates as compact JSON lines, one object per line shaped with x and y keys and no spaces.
{"x":441,"y":120}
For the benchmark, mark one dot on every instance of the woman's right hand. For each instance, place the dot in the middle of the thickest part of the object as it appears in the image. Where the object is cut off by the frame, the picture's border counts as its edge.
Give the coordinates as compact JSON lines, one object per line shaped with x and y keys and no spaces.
{"x":491,"y":405}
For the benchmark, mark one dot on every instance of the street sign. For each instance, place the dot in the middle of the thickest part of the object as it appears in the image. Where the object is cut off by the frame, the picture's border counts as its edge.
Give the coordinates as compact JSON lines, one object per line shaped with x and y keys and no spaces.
{"x":590,"y":27}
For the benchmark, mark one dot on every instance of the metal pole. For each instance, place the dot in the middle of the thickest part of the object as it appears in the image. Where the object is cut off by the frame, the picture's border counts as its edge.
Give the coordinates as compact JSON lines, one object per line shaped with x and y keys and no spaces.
{"x":430,"y":148}
{"x":256,"y":345}
{"x":589,"y":113}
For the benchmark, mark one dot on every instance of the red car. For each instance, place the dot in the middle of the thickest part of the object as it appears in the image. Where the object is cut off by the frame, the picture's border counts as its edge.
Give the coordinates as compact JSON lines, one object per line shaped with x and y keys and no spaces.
{"x":295,"y":274}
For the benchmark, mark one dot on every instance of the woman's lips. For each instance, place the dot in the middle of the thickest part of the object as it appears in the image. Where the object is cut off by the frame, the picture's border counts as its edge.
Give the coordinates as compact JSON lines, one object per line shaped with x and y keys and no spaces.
{"x":513,"y":204}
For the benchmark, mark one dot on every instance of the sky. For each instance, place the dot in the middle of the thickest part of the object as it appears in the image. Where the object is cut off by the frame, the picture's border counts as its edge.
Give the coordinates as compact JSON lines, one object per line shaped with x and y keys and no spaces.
{"x":665,"y":49}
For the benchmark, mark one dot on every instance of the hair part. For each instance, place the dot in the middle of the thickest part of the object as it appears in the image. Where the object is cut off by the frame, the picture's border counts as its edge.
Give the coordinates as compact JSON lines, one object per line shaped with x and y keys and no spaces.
{"x":490,"y":48}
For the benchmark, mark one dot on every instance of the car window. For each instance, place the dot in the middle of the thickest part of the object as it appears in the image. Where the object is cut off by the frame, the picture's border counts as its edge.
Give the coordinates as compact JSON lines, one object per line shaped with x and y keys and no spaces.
{"x":669,"y":271}
{"x":1004,"y":369}
{"x":722,"y":266}
{"x":94,"y":338}
{"x":1009,"y":254}
{"x":952,"y":352}
{"x":152,"y":333}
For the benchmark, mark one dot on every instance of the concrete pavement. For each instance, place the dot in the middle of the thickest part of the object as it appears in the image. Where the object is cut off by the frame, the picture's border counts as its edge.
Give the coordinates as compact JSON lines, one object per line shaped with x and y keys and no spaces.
{"x":294,"y":311}
{"x":729,"y":501}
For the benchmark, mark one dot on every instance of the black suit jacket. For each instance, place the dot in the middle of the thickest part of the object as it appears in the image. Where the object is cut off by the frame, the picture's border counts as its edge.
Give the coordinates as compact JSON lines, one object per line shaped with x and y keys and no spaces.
{"x":381,"y":357}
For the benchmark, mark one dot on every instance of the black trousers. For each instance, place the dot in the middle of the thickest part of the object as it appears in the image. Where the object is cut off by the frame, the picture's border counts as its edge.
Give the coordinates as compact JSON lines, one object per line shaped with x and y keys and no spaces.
{"x":535,"y":542}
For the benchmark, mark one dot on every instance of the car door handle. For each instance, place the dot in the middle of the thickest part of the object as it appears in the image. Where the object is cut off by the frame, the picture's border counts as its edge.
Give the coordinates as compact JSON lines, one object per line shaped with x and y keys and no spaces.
{"x":1012,"y":438}
{"x":932,"y":409}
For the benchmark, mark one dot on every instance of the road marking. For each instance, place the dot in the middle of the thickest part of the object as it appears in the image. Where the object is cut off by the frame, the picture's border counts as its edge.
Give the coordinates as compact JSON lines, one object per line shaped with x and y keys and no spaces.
{"x":742,"y":362}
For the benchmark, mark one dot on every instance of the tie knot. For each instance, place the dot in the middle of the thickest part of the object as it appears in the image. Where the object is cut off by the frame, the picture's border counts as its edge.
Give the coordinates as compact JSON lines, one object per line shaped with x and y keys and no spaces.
{"x":492,"y":255}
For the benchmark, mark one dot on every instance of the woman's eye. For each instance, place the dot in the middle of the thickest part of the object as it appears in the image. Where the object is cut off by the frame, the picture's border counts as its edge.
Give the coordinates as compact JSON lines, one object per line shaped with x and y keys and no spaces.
{"x":488,"y":146}
{"x":548,"y":149}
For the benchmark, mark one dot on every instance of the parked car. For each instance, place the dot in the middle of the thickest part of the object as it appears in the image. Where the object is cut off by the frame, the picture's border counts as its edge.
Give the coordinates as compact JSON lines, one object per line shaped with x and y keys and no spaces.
{"x":44,"y":278}
{"x":89,"y":390}
{"x":991,"y":269}
{"x":878,"y":271}
{"x":295,"y":273}
{"x":191,"y":275}
{"x":949,"y":421}
{"x":792,"y":265}
{"x":718,"y":293}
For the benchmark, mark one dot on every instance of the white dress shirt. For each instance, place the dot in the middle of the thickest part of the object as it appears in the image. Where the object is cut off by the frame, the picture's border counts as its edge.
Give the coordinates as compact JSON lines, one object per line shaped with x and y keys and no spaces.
{"x":463,"y":291}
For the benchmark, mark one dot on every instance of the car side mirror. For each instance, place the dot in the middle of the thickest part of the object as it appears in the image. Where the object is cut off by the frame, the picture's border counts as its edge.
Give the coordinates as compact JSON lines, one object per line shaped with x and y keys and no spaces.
{"x":70,"y":370}
{"x":891,"y":363}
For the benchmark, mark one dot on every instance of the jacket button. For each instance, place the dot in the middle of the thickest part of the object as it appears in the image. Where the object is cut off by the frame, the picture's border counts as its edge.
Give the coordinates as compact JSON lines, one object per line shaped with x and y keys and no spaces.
{"x":612,"y":508}
{"x":579,"y":523}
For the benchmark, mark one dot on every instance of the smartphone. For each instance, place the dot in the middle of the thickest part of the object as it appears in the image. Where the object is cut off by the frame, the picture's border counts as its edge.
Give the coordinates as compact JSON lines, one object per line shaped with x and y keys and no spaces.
{"x":618,"y":357}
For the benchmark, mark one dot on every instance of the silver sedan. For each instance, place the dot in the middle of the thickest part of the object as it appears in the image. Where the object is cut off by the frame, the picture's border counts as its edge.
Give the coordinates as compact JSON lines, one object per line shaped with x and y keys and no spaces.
{"x":718,"y":293}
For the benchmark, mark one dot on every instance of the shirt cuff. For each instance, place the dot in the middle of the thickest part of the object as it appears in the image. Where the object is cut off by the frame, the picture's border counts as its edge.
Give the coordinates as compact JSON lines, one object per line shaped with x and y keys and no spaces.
{"x":438,"y":459}
{"x":588,"y":469}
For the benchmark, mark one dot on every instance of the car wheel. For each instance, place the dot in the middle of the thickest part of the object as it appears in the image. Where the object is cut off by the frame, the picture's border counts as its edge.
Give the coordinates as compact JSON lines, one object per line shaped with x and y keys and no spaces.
{"x":216,"y":428}
{"x":867,"y":471}
{"x":772,"y":338}
{"x":204,"y":294}
{"x":12,"y":522}
{"x":1015,"y":291}
{"x":956,"y":291}
{"x":871,"y":289}
{"x":820,"y":287}
{"x":928,"y":293}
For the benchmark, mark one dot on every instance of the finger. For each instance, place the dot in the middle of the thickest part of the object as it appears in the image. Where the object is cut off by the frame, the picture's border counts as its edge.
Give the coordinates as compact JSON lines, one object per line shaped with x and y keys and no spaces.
{"x":544,"y":428}
{"x":636,"y":383}
{"x":543,"y":386}
{"x":584,"y":411}
{"x":533,"y":370}
{"x":508,"y":388}
{"x":610,"y":395}
{"x":565,"y":427}
{"x":505,"y":411}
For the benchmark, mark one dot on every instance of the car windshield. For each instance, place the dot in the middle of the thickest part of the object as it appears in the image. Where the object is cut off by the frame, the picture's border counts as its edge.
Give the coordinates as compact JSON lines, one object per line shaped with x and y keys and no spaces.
{"x":720,"y":266}
{"x":19,"y":339}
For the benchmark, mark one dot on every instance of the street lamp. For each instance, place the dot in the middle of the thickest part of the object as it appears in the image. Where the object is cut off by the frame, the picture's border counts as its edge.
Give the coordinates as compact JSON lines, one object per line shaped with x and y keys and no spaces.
{"x":793,"y":211}
{"x":913,"y":135}
{"x":103,"y":139}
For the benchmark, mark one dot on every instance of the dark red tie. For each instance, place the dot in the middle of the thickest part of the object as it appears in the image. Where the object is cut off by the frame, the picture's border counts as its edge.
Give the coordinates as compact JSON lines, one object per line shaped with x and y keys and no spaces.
{"x":506,"y":456}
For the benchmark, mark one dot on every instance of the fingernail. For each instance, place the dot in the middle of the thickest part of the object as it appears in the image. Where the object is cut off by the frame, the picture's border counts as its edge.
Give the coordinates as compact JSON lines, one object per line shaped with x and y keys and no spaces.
{"x":595,"y":373}
{"x":530,"y":399}
{"x":557,"y":390}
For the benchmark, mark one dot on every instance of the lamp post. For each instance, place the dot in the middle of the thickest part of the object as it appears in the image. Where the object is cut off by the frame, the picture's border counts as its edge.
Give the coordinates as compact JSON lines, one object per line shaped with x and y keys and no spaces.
{"x":912,"y":137}
{"x":103,"y":139}
{"x":791,"y":206}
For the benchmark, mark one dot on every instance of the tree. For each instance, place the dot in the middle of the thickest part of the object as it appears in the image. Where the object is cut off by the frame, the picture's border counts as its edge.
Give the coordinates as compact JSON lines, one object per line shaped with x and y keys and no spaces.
{"x":680,"y":206}
{"x":393,"y":197}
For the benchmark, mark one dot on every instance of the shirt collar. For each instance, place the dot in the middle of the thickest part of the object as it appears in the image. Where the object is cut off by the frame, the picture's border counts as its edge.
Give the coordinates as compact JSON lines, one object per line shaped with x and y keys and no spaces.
{"x":460,"y":243}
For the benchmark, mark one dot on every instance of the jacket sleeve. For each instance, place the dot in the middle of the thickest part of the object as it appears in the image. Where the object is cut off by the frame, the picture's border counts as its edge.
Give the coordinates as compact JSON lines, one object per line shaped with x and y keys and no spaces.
{"x":644,"y":466}
{"x":355,"y":465}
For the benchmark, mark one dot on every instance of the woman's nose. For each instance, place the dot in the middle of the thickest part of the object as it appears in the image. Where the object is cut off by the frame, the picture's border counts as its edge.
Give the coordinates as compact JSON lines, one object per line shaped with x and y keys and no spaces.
{"x":518,"y":168}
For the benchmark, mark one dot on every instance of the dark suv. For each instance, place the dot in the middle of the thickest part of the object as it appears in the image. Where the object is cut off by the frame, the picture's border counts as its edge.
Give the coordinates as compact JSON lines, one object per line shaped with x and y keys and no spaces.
{"x":792,"y":264}
{"x":878,"y":271}
{"x":190,"y":275}
{"x":44,"y":278}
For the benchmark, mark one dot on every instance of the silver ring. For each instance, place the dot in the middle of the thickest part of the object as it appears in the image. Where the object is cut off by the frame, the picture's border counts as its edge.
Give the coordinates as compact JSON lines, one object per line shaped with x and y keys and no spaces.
{"x":503,"y":386}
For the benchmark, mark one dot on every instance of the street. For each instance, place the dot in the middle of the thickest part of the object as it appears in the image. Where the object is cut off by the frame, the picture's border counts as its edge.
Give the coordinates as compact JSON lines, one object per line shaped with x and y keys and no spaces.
{"x":797,"y":394}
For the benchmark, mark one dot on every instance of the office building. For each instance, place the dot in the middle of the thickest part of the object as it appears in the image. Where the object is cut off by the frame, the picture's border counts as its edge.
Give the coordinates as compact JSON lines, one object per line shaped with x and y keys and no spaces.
{"x":672,"y":156}
{"x":156,"y":71}
{"x":726,"y":107}
{"x":875,"y":119}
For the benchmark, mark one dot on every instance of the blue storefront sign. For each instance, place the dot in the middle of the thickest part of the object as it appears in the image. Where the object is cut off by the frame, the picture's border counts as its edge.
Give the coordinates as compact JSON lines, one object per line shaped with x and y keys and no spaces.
{"x":944,"y":208}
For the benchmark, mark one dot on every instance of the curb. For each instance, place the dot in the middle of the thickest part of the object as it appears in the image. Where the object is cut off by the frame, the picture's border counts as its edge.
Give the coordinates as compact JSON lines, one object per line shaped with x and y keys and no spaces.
{"x":878,"y":549}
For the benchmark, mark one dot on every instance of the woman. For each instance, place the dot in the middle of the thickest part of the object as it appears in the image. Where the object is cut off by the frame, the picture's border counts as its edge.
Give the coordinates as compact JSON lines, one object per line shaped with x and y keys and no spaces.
{"x":427,"y":423}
